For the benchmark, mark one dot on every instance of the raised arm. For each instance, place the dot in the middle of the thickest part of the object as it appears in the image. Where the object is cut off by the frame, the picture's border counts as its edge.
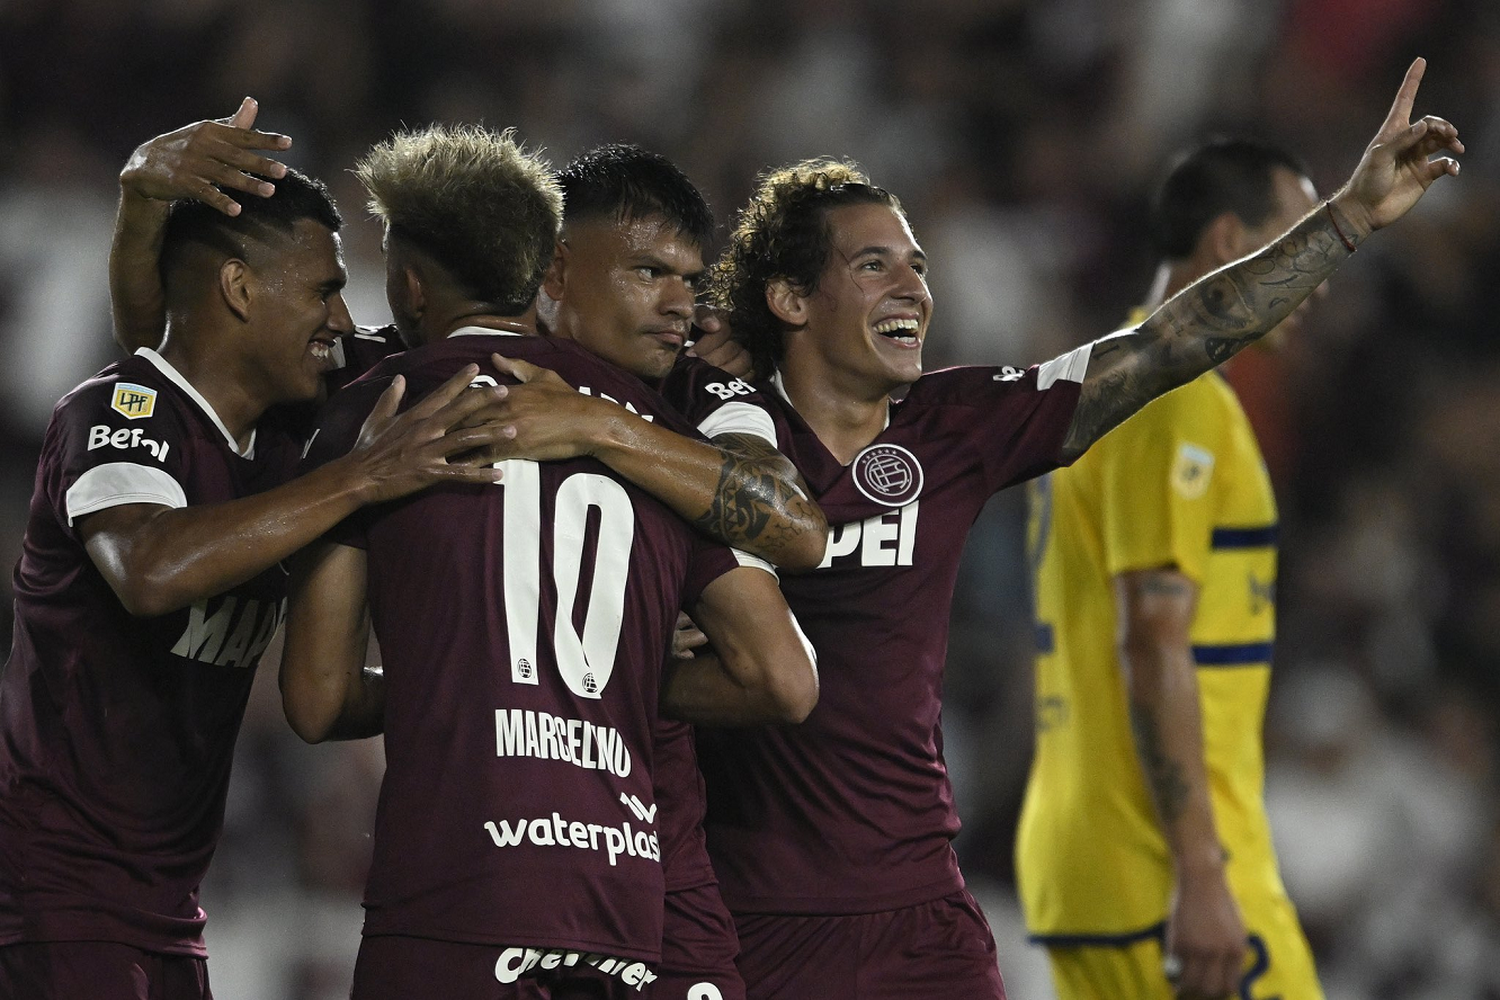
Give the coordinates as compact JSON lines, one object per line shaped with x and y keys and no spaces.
{"x":1212,"y":319}
{"x":201,"y":161}
{"x":737,"y":489}
{"x":761,"y":669}
{"x":158,"y":558}
{"x":1205,"y":931}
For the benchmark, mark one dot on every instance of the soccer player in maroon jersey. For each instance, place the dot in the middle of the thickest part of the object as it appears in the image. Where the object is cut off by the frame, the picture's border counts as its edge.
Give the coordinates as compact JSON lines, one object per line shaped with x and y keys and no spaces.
{"x":466,"y":890}
{"x":832,"y":839}
{"x":148,"y":587}
{"x":621,"y":284}
{"x":629,"y":261}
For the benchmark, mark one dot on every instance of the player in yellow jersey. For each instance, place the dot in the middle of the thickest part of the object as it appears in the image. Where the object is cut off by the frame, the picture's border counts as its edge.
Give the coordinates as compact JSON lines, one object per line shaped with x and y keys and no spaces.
{"x":1144,"y":855}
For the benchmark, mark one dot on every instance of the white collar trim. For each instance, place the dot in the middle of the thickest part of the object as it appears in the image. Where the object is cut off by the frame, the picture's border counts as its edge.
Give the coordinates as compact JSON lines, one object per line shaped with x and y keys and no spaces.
{"x":166,"y":368}
{"x":484,"y":331}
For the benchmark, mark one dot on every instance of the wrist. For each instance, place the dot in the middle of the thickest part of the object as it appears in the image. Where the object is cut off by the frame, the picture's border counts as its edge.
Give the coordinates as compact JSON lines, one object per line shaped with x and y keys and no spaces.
{"x":347,"y":481}
{"x":1207,"y":862}
{"x":610,"y":433}
{"x":1350,"y":219}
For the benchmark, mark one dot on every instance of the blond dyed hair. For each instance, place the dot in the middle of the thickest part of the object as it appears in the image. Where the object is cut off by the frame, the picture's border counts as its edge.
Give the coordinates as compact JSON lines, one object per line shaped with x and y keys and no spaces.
{"x":474,"y":200}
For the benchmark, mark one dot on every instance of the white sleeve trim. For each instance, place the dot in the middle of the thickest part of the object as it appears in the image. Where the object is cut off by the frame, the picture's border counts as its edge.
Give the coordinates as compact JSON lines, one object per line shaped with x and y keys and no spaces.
{"x":1069,"y":367}
{"x":754,"y":562}
{"x":117,"y":483}
{"x":739,"y":418}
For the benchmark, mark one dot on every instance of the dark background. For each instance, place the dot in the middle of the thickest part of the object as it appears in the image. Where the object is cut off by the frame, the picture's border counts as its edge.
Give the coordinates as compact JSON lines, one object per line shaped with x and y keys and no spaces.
{"x":1023,"y":138}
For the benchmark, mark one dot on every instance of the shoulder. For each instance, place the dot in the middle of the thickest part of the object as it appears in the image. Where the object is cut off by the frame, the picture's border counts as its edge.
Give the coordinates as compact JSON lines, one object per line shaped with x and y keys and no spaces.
{"x":716,"y":401}
{"x":130,"y":393}
{"x":982,"y":384}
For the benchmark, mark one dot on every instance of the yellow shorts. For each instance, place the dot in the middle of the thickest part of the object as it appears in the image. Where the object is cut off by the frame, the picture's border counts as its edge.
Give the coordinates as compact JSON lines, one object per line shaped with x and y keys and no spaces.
{"x":1278,"y":964}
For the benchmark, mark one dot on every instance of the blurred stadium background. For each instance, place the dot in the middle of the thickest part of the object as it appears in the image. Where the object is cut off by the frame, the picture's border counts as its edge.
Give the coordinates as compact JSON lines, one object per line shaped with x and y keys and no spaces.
{"x":1023,"y":136}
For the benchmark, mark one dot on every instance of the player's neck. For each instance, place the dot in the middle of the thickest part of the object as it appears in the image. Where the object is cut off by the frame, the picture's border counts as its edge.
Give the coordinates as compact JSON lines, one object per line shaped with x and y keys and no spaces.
{"x":443,"y":322}
{"x":845,"y":413}
{"x":224,"y":386}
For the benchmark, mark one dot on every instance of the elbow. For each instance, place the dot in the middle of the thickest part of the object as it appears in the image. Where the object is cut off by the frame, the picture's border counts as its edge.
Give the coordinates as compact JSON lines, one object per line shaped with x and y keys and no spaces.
{"x":807,"y":547}
{"x":311,"y":725}
{"x":795,"y":690}
{"x":146,"y":594}
{"x":798,"y":704}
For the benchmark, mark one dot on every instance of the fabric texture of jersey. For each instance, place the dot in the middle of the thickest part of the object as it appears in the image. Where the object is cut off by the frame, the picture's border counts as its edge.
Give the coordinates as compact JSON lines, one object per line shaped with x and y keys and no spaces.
{"x":523,"y":627}
{"x":852,"y":811}
{"x":117,"y":732}
{"x":1180,"y":483}
{"x":716,"y":403}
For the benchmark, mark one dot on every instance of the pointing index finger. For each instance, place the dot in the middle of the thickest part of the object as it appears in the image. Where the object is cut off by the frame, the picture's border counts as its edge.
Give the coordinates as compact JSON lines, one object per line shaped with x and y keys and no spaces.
{"x":1406,"y":97}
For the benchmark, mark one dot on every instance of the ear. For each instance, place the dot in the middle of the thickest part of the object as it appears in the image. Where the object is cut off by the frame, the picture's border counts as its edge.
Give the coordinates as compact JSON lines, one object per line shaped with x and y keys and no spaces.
{"x":416,"y":291}
{"x":1224,"y":239}
{"x":234,"y":287}
{"x":555,"y":279}
{"x":785,"y":302}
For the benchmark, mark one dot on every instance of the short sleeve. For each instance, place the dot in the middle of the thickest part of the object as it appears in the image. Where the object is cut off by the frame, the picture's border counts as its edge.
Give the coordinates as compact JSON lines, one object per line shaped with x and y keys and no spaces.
{"x":717,"y":402}
{"x":117,"y":443}
{"x":1013,"y":420}
{"x":706,"y":563}
{"x":1156,"y":487}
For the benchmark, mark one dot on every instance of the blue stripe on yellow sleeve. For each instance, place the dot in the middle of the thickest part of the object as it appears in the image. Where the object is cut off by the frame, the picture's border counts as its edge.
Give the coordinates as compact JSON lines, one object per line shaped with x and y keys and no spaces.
{"x":1233,"y":655}
{"x":1244,"y":538}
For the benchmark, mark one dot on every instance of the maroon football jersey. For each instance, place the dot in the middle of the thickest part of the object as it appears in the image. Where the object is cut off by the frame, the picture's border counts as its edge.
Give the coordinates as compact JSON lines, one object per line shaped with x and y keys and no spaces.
{"x":715,"y":402}
{"x":852,"y":811}
{"x":117,"y":732}
{"x":523,"y":627}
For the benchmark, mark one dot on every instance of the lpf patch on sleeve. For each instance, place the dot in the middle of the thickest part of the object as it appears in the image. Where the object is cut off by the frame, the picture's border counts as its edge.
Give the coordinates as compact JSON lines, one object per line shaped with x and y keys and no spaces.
{"x":1192,"y":470}
{"x":132,"y":401}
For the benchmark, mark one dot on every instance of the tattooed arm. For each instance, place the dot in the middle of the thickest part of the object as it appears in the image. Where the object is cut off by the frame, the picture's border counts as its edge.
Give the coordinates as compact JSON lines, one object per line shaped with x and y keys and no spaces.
{"x":737,"y":489}
{"x":1204,"y":928}
{"x":1209,"y":322}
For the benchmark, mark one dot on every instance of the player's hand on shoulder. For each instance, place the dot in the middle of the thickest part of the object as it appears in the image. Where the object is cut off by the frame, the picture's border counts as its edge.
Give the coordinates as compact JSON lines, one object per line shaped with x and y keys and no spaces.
{"x":1399,"y":164}
{"x":1206,"y":939}
{"x":716,"y":344}
{"x":438,"y":440}
{"x":547,"y":419}
{"x":205,"y":160}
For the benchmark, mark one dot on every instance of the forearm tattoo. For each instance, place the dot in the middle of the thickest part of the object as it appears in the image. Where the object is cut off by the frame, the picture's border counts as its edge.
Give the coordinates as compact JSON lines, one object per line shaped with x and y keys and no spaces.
{"x":1163,"y":774}
{"x":756,"y":506}
{"x":1203,"y":325}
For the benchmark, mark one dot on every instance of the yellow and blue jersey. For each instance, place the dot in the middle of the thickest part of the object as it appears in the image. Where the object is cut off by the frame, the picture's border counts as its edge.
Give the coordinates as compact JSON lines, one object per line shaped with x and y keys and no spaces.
{"x":1182,"y":484}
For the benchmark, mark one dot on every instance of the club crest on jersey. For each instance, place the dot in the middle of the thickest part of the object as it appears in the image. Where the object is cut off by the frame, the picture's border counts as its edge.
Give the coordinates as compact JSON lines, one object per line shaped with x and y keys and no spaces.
{"x":1192,"y":471}
{"x":133,"y":402}
{"x":888,"y":474}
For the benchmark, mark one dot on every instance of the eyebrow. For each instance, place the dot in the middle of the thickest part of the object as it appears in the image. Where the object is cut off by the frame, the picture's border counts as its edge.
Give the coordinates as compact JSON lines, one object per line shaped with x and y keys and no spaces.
{"x":918,"y":253}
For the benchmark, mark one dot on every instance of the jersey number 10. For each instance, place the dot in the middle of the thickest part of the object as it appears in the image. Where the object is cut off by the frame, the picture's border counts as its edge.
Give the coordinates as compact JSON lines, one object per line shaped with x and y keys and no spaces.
{"x":584,"y":659}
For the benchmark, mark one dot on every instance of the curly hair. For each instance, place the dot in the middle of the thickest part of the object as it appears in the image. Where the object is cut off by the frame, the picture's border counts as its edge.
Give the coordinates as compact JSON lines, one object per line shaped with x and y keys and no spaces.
{"x":783,"y":233}
{"x":475,"y":201}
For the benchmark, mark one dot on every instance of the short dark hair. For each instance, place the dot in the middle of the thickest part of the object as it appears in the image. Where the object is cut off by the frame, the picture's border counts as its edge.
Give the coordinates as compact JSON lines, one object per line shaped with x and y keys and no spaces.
{"x":623,"y":181}
{"x":474,"y":200}
{"x":1219,"y":175}
{"x":783,"y":233}
{"x":190,"y":222}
